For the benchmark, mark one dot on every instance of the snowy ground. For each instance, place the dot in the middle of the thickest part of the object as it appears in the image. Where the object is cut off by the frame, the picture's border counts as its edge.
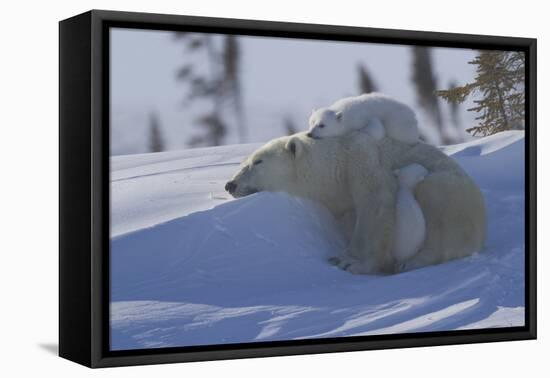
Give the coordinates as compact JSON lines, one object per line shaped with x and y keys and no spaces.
{"x":191,"y":266}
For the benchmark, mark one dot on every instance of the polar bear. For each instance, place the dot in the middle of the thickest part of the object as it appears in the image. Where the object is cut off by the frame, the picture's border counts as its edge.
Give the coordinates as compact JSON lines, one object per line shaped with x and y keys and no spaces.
{"x":352,"y":176}
{"x":376,"y":113}
{"x":410,"y":226}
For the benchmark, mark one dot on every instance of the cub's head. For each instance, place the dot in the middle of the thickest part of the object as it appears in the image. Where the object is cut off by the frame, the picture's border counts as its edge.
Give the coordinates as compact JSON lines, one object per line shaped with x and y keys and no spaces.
{"x":325,"y":123}
{"x":411,"y":175}
{"x":270,"y":168}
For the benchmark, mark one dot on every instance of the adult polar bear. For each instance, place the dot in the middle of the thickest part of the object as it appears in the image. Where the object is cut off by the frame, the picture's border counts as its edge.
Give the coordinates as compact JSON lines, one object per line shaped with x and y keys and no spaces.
{"x":352,"y":175}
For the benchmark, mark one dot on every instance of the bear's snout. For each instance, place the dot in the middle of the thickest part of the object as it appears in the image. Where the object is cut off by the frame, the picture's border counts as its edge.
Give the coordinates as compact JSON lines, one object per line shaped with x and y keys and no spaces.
{"x":230,"y":187}
{"x":310,"y":135}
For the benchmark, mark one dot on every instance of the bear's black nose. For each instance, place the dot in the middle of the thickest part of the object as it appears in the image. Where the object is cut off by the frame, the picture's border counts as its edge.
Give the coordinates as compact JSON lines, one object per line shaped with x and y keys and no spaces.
{"x":230,"y":186}
{"x":309,"y":135}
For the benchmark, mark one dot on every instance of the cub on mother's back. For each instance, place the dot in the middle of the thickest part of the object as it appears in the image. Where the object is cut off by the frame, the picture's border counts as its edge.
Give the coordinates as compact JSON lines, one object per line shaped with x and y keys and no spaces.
{"x":378,"y":114}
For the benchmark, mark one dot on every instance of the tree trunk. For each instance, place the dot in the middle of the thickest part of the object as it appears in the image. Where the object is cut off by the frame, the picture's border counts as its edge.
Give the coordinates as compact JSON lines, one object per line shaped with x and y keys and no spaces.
{"x":501,"y":107}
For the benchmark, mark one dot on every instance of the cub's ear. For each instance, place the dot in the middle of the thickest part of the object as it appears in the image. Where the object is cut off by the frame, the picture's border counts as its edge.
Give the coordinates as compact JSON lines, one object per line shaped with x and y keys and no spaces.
{"x":295,"y":147}
{"x":338,"y":116}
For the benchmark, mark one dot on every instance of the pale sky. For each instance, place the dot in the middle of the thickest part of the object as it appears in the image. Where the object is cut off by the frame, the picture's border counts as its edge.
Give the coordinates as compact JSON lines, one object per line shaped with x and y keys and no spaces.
{"x":281,"y":78}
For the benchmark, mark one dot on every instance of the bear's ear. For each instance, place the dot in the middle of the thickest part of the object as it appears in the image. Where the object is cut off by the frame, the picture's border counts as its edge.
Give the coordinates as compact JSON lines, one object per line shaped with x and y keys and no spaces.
{"x":294,"y":147}
{"x":338,"y":116}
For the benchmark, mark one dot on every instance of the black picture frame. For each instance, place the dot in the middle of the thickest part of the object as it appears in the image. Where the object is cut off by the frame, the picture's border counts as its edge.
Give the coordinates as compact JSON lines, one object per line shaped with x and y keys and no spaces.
{"x":84,"y":188}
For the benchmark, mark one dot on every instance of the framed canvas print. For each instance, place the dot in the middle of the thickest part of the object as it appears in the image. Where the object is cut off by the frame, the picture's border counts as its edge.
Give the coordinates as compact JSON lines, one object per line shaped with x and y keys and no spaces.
{"x":234,"y":188}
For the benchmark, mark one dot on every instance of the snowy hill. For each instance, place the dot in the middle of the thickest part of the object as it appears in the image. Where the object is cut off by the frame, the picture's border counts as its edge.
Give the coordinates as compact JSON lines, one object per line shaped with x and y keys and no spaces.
{"x":192,"y":266}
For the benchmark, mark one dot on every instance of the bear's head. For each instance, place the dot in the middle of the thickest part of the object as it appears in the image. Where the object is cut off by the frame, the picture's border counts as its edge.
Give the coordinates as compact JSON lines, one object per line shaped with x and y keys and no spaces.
{"x":325,"y":123}
{"x":270,"y":168}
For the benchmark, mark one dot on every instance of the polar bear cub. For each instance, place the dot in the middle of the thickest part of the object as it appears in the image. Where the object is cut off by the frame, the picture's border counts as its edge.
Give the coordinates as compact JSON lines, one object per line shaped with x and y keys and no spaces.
{"x":378,"y":114}
{"x":410,"y":227}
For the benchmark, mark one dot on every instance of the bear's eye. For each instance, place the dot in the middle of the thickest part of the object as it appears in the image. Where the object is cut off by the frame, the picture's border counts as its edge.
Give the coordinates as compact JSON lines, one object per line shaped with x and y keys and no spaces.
{"x":258,"y":162}
{"x":321,"y":125}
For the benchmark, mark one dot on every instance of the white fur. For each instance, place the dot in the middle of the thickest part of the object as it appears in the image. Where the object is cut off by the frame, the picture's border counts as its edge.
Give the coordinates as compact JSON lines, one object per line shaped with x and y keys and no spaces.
{"x":356,"y":113}
{"x":410,"y":226}
{"x":353,"y":176}
{"x":376,"y":129}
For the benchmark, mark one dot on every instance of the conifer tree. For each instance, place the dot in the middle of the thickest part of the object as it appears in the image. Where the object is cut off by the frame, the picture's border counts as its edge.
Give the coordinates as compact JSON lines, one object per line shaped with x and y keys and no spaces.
{"x":500,"y":80}
{"x":365,"y":82}
{"x":425,"y":83}
{"x":232,"y":82}
{"x":219,"y":85}
{"x":156,"y":142}
{"x":454,"y":107}
{"x":215,"y":131}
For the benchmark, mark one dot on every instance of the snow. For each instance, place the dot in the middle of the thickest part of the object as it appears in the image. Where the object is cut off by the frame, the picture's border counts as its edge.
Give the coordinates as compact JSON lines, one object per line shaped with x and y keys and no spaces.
{"x":148,"y":189}
{"x":192,"y":266}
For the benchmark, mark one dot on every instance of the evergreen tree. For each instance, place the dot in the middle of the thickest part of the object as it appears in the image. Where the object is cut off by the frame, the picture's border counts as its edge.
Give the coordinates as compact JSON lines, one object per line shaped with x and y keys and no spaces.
{"x":220,"y":86}
{"x":454,"y":108}
{"x":426,"y":84}
{"x":500,"y":79}
{"x":231,"y":61}
{"x":215,"y":131}
{"x":156,"y":142}
{"x":365,"y":82}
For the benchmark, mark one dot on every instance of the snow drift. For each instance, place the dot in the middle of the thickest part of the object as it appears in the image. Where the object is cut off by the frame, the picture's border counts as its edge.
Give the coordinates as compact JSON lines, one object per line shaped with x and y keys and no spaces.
{"x":192,"y":266}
